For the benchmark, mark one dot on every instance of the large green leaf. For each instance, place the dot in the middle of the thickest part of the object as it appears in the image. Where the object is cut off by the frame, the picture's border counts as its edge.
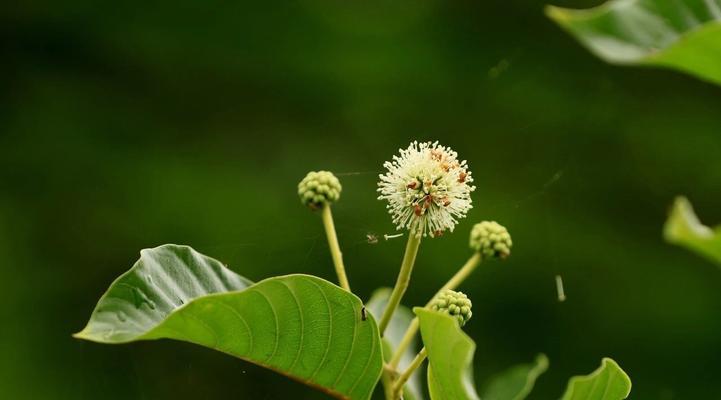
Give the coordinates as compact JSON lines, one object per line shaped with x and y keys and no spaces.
{"x":685,"y":35}
{"x":299,"y":325}
{"x":450,"y":356}
{"x":683,"y":228}
{"x":163,"y":279}
{"x":608,"y":382}
{"x":517,"y":382}
{"x":402,"y":317}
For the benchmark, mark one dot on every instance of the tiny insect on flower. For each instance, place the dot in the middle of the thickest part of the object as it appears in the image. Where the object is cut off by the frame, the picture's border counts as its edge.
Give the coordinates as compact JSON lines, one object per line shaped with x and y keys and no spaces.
{"x":428,"y":190}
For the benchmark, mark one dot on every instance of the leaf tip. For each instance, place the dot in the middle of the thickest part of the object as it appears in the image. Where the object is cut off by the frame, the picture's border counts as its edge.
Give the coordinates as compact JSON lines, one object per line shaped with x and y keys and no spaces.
{"x":557,"y":14}
{"x":542,"y":361}
{"x":82,"y":335}
{"x":681,"y":219}
{"x":611,"y":363}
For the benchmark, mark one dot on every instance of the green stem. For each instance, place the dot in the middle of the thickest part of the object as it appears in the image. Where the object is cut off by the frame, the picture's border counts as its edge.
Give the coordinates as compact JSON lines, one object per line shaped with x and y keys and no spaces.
{"x":461,"y":275}
{"x":387,"y":380}
{"x":404,"y":343}
{"x":453,"y":283}
{"x":403,"y":378}
{"x":404,"y":277}
{"x":334,"y":247}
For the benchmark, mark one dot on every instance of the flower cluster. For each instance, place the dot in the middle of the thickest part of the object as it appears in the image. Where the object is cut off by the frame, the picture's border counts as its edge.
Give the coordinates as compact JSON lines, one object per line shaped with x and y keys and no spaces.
{"x":319,"y":188}
{"x":427,"y":188}
{"x":456,"y":304}
{"x":491,"y":239}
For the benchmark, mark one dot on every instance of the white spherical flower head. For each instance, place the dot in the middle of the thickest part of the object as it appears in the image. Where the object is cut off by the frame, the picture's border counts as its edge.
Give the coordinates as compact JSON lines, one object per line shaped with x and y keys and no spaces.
{"x":427,"y":189}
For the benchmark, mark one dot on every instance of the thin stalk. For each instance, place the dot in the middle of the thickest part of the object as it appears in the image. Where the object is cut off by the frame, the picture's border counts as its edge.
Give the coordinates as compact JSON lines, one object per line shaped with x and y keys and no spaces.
{"x":387,"y":380}
{"x":460,"y":276}
{"x":404,"y":277}
{"x":404,"y":343}
{"x":403,"y":378}
{"x":453,"y":283}
{"x":334,"y":247}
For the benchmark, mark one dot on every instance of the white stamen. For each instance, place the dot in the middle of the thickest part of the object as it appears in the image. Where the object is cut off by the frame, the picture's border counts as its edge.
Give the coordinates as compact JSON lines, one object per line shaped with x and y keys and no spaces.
{"x":427,"y":188}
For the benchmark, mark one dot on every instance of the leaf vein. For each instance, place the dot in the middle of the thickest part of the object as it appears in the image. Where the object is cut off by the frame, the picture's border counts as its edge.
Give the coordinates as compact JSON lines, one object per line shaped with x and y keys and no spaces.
{"x":277,"y":325}
{"x":302,"y":325}
{"x":350,"y":355}
{"x":370,"y":358}
{"x":330,"y":330}
{"x":245,"y":323}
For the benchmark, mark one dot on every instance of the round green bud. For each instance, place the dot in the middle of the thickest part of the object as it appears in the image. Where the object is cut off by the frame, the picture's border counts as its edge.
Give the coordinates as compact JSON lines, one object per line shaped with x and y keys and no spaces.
{"x":491,"y":239}
{"x":319,"y":188}
{"x":456,"y":304}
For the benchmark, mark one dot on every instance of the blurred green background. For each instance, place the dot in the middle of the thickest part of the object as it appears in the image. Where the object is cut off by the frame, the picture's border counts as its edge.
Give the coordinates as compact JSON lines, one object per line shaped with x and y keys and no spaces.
{"x":128,"y":125}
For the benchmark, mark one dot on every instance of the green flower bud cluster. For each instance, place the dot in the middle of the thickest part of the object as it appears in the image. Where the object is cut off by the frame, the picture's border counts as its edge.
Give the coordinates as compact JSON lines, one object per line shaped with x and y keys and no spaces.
{"x":456,"y":304}
{"x":491,"y":239}
{"x":319,"y":188}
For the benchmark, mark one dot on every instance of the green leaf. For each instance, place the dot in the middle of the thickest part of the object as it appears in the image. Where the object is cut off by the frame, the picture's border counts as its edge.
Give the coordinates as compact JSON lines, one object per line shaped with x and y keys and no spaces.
{"x":516,"y":382}
{"x":608,"y":382}
{"x":298,"y":325}
{"x":683,"y":35}
{"x":684,"y":229}
{"x":163,"y":279}
{"x":402,"y":317}
{"x":450,"y":356}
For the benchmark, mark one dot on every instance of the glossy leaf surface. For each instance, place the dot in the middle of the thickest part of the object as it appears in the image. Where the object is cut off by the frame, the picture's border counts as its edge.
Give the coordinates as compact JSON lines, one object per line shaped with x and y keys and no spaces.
{"x":450,"y":356}
{"x":608,"y":382}
{"x":684,"y":35}
{"x":517,"y":382}
{"x":684,"y":229}
{"x":299,"y":325}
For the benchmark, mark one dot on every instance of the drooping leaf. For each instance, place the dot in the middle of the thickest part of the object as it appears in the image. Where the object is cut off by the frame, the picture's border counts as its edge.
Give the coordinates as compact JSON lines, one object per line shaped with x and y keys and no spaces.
{"x":516,"y":382}
{"x":684,"y":229}
{"x":450,"y":356}
{"x":298,"y":325}
{"x":393,"y":335}
{"x":684,"y":35}
{"x":608,"y":382}
{"x":163,"y":279}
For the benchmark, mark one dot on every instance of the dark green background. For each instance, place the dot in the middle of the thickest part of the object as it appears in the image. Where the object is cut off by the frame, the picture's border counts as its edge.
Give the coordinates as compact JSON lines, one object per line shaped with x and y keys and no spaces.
{"x":124,"y":126}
